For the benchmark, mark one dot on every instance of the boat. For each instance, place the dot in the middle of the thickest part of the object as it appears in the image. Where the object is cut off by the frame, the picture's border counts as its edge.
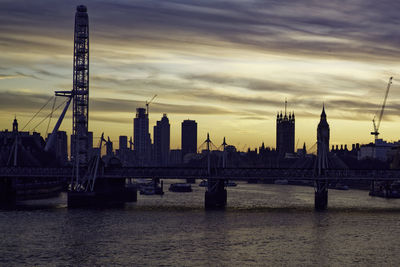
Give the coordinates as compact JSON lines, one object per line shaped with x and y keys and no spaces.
{"x":340,"y":186}
{"x":230,"y":183}
{"x":180,"y":187}
{"x":151,"y":188}
{"x":147,"y":191}
{"x":203,"y":183}
{"x":386,"y":190}
{"x":281,"y":181}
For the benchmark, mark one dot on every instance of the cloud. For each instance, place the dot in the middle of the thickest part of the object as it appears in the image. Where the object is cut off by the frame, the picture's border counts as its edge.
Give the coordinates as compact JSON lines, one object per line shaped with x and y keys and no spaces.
{"x":121,"y":105}
{"x":257,"y":118}
{"x":47,"y":73}
{"x":16,"y":75}
{"x":365,"y":30}
{"x":22,"y":101}
{"x":236,"y":58}
{"x":355,"y":110}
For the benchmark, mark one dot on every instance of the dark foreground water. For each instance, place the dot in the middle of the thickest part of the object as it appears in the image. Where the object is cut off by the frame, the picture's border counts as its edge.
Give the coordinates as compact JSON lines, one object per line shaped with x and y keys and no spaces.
{"x":263,"y":225}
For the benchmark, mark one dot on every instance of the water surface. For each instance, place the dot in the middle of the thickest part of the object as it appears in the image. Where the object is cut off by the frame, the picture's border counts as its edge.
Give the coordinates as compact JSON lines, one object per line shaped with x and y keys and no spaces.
{"x":262,"y":225}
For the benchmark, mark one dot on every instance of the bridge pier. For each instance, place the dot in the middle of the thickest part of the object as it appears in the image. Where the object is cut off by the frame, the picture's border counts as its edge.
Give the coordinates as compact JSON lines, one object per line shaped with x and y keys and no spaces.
{"x":321,"y":195}
{"x":8,"y":193}
{"x":107,"y":192}
{"x":216,"y":195}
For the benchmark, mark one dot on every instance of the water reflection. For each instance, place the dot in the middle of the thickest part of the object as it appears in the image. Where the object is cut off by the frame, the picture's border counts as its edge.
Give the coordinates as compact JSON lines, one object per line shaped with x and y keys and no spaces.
{"x":262,"y":225}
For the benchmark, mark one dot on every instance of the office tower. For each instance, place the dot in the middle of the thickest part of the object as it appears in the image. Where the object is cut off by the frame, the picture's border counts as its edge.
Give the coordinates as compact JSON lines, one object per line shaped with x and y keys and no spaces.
{"x":162,"y":141}
{"x":285,"y":128}
{"x":123,"y":142}
{"x":141,"y":136}
{"x":175,"y":157}
{"x":189,"y":137}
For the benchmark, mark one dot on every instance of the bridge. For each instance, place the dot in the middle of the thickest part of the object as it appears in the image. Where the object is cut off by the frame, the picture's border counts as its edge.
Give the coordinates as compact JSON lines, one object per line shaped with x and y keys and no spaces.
{"x":112,"y":181}
{"x":237,"y":174}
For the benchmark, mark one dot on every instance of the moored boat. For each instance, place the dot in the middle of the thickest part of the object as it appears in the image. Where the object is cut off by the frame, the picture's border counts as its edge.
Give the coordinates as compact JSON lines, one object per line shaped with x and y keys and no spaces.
{"x":203,"y":183}
{"x":180,"y":187}
{"x":230,"y":184}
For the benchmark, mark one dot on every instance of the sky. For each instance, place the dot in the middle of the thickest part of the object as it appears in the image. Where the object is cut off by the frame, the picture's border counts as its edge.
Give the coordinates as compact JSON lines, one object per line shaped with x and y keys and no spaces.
{"x":229,"y":65}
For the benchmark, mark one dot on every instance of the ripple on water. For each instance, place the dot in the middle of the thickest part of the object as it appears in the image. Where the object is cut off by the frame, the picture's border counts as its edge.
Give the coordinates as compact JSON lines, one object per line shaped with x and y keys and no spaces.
{"x":262,"y":225}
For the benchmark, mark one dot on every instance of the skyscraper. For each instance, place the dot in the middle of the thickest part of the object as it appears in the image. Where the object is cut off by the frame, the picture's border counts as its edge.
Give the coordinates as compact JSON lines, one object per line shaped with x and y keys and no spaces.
{"x":189,"y":137}
{"x":285,"y":133}
{"x":123,"y":142}
{"x":162,"y":141}
{"x":141,"y":136}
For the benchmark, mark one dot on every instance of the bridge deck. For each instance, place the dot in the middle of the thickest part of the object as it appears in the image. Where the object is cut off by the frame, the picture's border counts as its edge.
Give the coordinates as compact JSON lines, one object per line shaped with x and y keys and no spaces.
{"x":201,"y":173}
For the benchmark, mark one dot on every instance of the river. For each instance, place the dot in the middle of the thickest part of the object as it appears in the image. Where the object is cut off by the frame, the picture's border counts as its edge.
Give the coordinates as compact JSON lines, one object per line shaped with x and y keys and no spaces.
{"x":263,"y":225}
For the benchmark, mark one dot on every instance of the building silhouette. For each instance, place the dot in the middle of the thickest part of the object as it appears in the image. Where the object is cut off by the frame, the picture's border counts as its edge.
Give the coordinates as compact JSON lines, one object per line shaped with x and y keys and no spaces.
{"x":124,"y":153}
{"x":141,"y":136}
{"x":123,"y":142}
{"x":285,"y":133}
{"x":175,"y":157}
{"x":24,"y":149}
{"x":109,"y":148}
{"x":189,"y":137}
{"x":162,"y":142}
{"x":60,"y":147}
{"x":323,"y":134}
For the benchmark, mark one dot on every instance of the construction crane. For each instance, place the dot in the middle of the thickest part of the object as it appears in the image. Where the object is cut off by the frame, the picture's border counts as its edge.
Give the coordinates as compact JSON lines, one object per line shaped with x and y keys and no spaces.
{"x":147,"y":104}
{"x":376,"y":125}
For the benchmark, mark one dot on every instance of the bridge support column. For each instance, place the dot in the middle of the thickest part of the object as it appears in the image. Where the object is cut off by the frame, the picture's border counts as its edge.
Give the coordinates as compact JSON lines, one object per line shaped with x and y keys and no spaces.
{"x":8,"y":193}
{"x":321,"y":195}
{"x":372,"y":191}
{"x":216,"y":195}
{"x":107,"y":192}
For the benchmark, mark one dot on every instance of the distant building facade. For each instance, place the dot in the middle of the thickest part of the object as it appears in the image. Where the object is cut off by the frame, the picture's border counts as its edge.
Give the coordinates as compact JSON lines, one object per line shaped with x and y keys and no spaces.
{"x":60,"y":147}
{"x":380,"y":150}
{"x":162,"y":142}
{"x":24,"y":149}
{"x":123,"y":142}
{"x":189,"y":137}
{"x":285,"y":133}
{"x":175,"y":157}
{"x":141,"y":136}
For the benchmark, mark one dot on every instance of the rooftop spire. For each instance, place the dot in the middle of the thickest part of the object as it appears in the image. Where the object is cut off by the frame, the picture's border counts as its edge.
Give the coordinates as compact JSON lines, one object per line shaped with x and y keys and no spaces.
{"x":15,"y":124}
{"x":323,"y":110}
{"x":285,"y":105}
{"x":224,"y":143}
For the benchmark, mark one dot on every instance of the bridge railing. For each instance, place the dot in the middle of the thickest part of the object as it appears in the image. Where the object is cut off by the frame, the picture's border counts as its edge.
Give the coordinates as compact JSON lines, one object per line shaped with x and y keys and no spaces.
{"x":201,"y":173}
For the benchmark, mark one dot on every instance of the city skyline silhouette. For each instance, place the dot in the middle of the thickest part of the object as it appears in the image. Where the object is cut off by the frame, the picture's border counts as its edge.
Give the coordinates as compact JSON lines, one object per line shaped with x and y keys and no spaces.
{"x":230,"y":67}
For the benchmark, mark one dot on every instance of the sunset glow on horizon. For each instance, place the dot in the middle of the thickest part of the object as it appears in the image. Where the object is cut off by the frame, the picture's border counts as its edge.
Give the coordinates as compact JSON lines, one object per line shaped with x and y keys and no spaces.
{"x":228,"y":65}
